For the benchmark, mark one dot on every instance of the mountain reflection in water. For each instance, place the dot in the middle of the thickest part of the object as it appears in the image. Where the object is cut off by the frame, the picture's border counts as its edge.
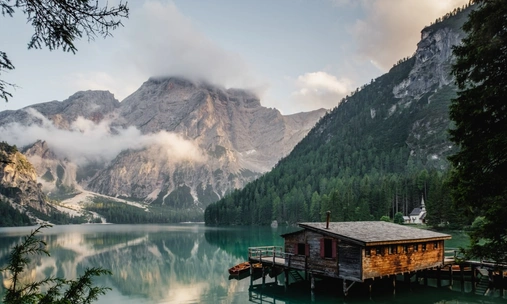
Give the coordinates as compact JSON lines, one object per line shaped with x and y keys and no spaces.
{"x":184,"y":263}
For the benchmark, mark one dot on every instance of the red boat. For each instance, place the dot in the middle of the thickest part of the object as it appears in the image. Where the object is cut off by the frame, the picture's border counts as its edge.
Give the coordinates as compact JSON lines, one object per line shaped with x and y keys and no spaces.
{"x":240,"y":268}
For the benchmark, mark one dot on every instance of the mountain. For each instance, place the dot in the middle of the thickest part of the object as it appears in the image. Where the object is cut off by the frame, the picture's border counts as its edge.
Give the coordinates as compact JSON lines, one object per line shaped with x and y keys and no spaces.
{"x":173,"y":142}
{"x":379,"y":152}
{"x":18,"y":180}
{"x":239,"y":140}
{"x":22,"y":200}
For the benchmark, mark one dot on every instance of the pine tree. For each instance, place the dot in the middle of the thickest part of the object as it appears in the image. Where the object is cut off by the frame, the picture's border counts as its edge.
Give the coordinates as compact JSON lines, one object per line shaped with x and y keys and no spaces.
{"x":479,"y":176}
{"x":57,"y":290}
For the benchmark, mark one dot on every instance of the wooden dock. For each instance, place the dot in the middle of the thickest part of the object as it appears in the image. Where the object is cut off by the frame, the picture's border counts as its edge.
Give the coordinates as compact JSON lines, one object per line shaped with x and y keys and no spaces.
{"x":484,"y":275}
{"x":268,"y":255}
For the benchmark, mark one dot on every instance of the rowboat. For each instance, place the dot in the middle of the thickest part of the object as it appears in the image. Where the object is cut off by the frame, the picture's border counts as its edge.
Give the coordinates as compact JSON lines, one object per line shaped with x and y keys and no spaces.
{"x":239,"y":269}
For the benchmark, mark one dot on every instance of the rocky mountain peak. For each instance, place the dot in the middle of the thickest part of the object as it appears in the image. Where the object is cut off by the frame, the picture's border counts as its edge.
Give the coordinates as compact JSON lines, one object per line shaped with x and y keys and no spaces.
{"x":18,"y":180}
{"x":196,"y":141}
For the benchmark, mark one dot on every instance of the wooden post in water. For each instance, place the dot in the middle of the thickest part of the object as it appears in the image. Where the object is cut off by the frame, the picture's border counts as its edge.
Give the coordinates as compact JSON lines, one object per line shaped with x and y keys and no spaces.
{"x":286,"y":277}
{"x":394,"y":283}
{"x":450,"y":276}
{"x":439,"y":277}
{"x":474,"y":278}
{"x":501,"y":281}
{"x":406,"y":277}
{"x":462,"y":276}
{"x":263,"y":276}
{"x":425,"y":277}
{"x":251,"y":275}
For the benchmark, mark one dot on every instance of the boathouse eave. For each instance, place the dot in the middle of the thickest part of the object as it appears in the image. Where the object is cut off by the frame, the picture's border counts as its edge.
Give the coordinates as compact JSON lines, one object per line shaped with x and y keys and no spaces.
{"x":291,"y":233}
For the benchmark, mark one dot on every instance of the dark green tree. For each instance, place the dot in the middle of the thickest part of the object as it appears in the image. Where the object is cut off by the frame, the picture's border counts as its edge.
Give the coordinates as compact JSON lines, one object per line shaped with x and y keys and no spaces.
{"x":385,"y":218}
{"x":479,"y":173}
{"x":398,"y":218}
{"x":57,"y":24}
{"x":57,"y":290}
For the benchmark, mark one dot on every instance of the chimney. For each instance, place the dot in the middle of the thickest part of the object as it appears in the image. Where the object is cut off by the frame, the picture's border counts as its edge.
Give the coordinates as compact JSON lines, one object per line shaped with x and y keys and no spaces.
{"x":327,"y":219}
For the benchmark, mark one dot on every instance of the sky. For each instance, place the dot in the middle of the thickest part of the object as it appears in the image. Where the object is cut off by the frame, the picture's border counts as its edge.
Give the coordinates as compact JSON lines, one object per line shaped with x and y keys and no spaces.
{"x":297,"y":55}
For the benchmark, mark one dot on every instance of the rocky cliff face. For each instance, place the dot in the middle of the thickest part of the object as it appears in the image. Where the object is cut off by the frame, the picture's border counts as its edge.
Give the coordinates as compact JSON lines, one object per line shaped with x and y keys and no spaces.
{"x":190,"y":142}
{"x":18,"y":180}
{"x":55,"y":174}
{"x":237,"y":140}
{"x":430,"y":84}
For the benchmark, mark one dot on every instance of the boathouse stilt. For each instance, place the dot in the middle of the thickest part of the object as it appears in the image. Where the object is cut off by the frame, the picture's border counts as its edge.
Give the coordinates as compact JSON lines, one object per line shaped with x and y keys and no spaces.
{"x":393,"y":278}
{"x":462,"y":276}
{"x":439,"y":277}
{"x":312,"y":282}
{"x":474,"y":278}
{"x":501,"y":281}
{"x":346,"y":288}
{"x":406,"y":277}
{"x":263,"y":276}
{"x":450,"y":277}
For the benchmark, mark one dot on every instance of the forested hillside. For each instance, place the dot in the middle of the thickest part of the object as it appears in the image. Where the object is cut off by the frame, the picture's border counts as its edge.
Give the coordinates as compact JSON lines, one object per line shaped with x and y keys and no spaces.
{"x":379,"y":152}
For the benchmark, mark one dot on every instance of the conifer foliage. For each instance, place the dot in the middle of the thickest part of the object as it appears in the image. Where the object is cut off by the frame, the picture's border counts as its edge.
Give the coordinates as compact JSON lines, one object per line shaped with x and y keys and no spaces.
{"x":57,"y":290}
{"x":57,"y":24}
{"x":479,"y":175}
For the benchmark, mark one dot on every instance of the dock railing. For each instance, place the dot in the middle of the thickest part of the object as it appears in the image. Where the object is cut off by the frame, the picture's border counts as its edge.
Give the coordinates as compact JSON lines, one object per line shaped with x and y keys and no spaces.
{"x":272,"y":254}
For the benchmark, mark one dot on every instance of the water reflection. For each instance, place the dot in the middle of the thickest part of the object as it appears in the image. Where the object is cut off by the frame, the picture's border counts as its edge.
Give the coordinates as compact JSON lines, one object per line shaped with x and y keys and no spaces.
{"x":153,"y":264}
{"x":184,"y":264}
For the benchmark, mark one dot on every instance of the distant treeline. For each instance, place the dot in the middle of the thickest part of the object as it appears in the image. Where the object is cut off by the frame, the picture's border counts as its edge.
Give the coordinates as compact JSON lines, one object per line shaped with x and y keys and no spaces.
{"x":11,"y":217}
{"x":122,"y":213}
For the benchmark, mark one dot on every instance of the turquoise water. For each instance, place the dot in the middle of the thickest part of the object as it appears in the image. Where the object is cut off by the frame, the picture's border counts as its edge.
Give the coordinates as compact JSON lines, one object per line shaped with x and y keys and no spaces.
{"x":188,"y":263}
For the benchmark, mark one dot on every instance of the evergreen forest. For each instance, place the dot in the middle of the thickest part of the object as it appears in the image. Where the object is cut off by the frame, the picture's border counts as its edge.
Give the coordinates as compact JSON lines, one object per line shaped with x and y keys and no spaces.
{"x":371,"y":157}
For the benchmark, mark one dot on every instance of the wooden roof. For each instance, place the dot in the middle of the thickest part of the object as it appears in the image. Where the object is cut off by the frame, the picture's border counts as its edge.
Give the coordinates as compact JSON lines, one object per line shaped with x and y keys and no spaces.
{"x":374,"y":233}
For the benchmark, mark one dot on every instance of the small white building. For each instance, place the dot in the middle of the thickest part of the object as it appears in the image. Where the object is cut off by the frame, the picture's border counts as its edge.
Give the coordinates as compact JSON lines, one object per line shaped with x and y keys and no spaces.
{"x":418,"y":215}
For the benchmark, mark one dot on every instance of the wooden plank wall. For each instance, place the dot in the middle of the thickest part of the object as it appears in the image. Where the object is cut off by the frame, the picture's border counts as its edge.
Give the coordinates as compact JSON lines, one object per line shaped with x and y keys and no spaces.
{"x":383,"y":264}
{"x":314,"y":262}
{"x":291,"y":246}
{"x":349,"y":261}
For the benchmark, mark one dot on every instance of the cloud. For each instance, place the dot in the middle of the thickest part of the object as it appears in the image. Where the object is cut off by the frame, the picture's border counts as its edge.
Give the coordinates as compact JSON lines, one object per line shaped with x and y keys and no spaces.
{"x":319,"y":90}
{"x":391,"y":29}
{"x":86,"y":141}
{"x":161,"y":41}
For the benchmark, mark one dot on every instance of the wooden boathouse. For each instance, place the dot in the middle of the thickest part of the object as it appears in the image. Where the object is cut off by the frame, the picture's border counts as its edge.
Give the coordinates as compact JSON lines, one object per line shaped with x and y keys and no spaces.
{"x":356,"y":251}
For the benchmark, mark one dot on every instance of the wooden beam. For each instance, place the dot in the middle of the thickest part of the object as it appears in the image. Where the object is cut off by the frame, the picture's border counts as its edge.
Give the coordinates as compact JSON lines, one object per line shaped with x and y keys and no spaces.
{"x":346,"y":288}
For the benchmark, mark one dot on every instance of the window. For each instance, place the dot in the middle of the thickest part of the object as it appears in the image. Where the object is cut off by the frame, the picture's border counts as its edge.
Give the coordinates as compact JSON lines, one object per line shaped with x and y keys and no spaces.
{"x":393,"y":249}
{"x":301,"y":249}
{"x":416,"y":247}
{"x":379,"y":251}
{"x":327,"y":248}
{"x":367,"y":252}
{"x":423,"y":247}
{"x":435,"y":245}
{"x":405,"y":248}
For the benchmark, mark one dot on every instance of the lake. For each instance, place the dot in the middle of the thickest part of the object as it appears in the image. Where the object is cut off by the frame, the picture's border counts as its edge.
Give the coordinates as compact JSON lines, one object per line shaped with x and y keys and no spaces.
{"x":187,"y":263}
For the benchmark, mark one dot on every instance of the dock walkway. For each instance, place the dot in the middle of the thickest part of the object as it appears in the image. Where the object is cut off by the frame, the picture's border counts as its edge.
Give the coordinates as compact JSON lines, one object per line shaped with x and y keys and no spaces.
{"x":271,"y":255}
